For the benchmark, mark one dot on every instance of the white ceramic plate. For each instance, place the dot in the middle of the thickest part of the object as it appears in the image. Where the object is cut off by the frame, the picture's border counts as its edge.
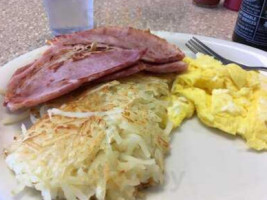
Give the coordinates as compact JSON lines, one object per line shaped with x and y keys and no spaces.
{"x":204,"y":164}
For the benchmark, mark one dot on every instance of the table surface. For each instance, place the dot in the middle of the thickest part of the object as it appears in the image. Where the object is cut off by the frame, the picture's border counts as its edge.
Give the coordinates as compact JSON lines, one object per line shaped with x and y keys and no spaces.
{"x":24,"y":25}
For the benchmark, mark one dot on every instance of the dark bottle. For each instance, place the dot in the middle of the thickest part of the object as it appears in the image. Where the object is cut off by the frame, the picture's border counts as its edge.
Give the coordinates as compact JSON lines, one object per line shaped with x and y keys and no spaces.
{"x":251,"y":25}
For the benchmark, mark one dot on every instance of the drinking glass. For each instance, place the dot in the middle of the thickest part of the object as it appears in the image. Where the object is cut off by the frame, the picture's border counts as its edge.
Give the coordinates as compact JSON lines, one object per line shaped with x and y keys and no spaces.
{"x":67,"y":16}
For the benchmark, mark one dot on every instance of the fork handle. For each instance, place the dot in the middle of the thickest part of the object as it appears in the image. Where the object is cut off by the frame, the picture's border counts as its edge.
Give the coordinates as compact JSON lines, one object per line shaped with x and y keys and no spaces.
{"x":254,"y":68}
{"x":225,"y":61}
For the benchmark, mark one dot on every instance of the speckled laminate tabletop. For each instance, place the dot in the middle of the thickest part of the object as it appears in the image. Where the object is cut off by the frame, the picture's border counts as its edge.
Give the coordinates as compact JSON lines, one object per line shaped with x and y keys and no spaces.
{"x":24,"y":25}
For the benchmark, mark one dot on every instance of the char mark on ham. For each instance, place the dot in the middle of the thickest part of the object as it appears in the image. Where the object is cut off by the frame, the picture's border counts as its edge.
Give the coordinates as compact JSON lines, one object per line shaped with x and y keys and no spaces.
{"x":61,"y":70}
{"x":158,"y":49}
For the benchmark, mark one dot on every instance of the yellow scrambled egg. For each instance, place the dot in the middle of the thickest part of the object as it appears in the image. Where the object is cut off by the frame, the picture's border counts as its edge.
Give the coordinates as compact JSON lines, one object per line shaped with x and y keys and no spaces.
{"x":225,"y":97}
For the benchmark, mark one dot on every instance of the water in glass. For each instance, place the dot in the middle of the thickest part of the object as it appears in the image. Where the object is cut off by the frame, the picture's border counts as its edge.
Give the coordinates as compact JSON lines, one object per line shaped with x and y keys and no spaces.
{"x":67,"y":16}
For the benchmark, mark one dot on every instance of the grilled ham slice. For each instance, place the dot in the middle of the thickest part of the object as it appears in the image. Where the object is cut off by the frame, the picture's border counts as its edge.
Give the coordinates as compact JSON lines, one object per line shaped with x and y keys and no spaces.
{"x":97,"y":55}
{"x":173,"y":67}
{"x":158,"y":49}
{"x":61,"y":70}
{"x":123,"y":73}
{"x":178,"y":66}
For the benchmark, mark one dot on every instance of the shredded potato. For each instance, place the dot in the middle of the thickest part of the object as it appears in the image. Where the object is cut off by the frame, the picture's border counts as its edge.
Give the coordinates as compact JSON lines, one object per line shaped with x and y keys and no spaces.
{"x":105,"y":143}
{"x":55,"y":111}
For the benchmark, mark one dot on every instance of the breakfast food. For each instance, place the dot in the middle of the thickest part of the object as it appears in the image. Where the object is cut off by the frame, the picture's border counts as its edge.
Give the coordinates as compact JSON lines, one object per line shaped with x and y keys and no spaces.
{"x":123,"y":73}
{"x":79,"y":58}
{"x":158,"y":50}
{"x":50,"y":77}
{"x":108,"y":142}
{"x":173,"y":67}
{"x":178,"y":66}
{"x":226,"y":97}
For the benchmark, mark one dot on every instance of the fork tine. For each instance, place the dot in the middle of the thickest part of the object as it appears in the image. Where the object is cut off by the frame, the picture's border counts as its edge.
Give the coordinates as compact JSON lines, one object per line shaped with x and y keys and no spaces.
{"x":191,"y":48}
{"x":207,"y":49}
{"x":198,"y":48}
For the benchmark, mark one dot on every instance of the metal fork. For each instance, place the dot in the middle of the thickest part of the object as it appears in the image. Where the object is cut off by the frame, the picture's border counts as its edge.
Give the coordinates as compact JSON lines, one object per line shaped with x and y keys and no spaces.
{"x":196,"y":46}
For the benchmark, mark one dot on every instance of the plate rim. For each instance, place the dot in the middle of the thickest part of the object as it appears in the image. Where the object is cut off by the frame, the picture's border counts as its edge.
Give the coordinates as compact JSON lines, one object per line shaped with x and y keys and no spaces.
{"x":262,"y":54}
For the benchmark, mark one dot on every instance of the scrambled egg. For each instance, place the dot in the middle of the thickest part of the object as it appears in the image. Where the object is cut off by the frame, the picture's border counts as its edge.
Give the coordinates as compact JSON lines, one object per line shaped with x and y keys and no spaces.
{"x":180,"y":109}
{"x":224,"y":97}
